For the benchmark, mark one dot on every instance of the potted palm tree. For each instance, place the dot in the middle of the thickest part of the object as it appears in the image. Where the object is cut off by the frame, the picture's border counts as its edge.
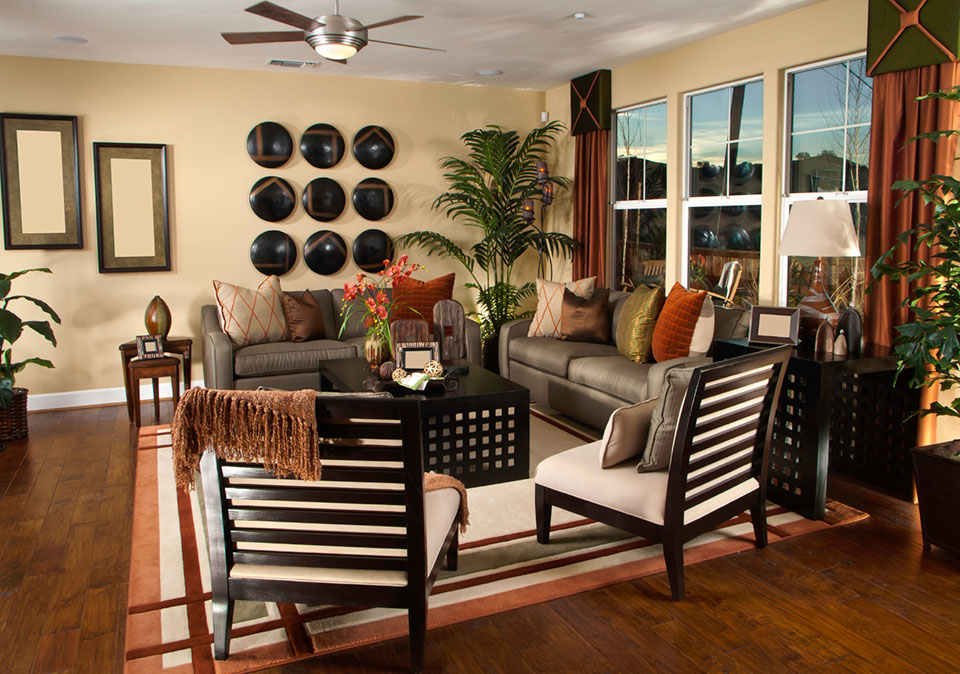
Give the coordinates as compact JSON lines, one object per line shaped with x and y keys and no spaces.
{"x":13,"y":400}
{"x":928,"y":346}
{"x":487,"y":191}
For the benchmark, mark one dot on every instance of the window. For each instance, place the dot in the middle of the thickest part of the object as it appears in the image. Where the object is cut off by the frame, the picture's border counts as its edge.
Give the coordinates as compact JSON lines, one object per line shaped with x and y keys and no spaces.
{"x":640,"y":202}
{"x":723,"y":184}
{"x":828,"y":140}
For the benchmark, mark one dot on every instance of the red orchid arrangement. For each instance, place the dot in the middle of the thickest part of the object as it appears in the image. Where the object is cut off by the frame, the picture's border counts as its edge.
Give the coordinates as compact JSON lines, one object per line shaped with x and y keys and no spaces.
{"x":368,"y":295}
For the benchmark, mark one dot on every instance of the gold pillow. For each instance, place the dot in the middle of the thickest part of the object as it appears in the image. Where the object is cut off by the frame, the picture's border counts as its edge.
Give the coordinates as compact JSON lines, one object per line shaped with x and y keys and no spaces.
{"x":637,"y":321}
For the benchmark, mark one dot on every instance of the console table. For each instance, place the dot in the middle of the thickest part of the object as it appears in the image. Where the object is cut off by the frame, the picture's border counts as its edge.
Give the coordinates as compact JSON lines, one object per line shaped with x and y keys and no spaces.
{"x":128,"y":351}
{"x":839,"y":411}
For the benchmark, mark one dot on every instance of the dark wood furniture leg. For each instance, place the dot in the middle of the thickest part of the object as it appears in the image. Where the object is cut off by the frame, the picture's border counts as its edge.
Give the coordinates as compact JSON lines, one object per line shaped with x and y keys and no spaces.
{"x":135,"y":397}
{"x":125,"y":359}
{"x":156,"y":399}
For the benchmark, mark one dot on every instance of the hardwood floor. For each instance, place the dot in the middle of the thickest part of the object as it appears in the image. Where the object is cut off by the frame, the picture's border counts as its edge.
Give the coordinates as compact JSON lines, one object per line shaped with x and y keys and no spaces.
{"x":858,"y":598}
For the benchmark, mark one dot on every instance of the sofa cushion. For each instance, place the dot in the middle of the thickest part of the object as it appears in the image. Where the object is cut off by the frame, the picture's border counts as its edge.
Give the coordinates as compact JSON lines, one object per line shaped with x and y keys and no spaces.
{"x":546,"y":321}
{"x":553,"y":355}
{"x":283,"y":357}
{"x":612,"y":374}
{"x":731,"y":322}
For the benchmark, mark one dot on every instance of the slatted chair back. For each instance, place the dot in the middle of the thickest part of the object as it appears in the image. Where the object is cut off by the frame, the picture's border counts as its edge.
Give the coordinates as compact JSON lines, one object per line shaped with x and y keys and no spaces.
{"x":720,"y":455}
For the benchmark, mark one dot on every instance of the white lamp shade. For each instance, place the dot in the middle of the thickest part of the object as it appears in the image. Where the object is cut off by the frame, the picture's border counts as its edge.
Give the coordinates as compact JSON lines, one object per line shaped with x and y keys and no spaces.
{"x":820,"y":228}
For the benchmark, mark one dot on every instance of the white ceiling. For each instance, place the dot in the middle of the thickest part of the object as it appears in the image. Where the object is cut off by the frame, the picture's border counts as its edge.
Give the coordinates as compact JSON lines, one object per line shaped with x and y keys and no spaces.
{"x":536,"y":43}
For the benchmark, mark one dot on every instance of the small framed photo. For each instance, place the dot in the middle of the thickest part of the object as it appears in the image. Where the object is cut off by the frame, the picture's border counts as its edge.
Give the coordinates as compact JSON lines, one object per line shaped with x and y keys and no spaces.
{"x":149,"y":346}
{"x":774,"y":325}
{"x":412,"y":356}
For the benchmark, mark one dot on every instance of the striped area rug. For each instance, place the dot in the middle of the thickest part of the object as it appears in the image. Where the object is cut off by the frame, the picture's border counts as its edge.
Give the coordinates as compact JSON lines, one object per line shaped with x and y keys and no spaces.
{"x":502,"y":567}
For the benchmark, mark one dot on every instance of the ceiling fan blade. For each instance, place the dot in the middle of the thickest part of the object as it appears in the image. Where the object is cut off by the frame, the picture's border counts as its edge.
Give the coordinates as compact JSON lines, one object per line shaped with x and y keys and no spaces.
{"x":268,"y":10}
{"x":258,"y":38}
{"x":400,"y":44}
{"x":390,"y":22}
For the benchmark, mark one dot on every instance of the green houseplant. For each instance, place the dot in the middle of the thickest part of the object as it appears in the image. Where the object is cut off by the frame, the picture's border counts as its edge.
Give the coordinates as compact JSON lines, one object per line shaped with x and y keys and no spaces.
{"x":927,"y":346}
{"x":487,"y":191}
{"x":13,"y":401}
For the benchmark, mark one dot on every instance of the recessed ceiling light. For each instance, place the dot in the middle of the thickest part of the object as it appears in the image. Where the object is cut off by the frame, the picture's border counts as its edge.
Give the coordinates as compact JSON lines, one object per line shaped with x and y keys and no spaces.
{"x":579,"y":15}
{"x":70,"y":39}
{"x":489,"y":72}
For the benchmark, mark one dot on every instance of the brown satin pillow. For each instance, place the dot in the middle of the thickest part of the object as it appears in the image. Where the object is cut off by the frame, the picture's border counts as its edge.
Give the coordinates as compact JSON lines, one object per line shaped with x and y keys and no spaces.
{"x":304,"y":319}
{"x":585,"y":319}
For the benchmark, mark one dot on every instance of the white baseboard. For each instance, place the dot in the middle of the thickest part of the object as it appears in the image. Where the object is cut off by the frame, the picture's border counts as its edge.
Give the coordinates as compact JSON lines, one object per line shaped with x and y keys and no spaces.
{"x":92,"y":397}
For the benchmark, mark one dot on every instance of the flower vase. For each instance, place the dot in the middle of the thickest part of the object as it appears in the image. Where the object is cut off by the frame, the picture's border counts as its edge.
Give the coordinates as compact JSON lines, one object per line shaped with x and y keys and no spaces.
{"x":376,"y":350}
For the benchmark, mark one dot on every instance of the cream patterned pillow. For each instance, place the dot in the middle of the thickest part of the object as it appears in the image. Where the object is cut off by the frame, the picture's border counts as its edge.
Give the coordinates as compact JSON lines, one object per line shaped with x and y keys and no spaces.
{"x":546,"y":322}
{"x":252,"y":316}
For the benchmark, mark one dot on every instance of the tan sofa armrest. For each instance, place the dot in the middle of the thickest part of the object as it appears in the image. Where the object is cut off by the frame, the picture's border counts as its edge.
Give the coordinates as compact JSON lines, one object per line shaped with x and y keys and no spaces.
{"x":510,"y":331}
{"x":658,"y":371}
{"x":217,"y":351}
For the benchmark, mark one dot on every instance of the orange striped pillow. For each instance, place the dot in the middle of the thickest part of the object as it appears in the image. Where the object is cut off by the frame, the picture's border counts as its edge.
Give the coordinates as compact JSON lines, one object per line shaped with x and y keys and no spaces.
{"x":414,"y":299}
{"x":676,"y":324}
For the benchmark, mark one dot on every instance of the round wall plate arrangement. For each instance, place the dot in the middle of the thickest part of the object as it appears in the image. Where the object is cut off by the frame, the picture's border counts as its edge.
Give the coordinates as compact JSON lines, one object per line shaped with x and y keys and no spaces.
{"x":272,"y":198}
{"x":371,"y":248}
{"x":325,"y":252}
{"x":324,"y":199}
{"x":269,"y":144}
{"x":273,"y":252}
{"x":373,"y":147}
{"x":373,"y":199}
{"x":322,"y":146}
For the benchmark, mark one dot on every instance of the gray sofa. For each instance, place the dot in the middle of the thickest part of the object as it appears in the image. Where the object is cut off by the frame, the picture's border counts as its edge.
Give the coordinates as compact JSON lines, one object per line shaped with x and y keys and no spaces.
{"x":585,"y":381}
{"x":291,"y":365}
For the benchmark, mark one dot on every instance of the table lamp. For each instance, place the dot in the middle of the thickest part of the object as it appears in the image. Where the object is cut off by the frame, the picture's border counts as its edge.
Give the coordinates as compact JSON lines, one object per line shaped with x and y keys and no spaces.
{"x":819,"y":229}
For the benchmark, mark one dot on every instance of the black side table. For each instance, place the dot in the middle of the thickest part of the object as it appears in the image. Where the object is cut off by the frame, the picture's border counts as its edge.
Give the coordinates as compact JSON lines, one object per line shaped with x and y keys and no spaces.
{"x":841,"y":411}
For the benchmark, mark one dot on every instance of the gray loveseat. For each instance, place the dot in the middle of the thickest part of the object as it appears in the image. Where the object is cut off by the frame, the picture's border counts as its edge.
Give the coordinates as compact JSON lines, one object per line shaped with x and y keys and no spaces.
{"x":291,"y":365}
{"x":586,"y":381}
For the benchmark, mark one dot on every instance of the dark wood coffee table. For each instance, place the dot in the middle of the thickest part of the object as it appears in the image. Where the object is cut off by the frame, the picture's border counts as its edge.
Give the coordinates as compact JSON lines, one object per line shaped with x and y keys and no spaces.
{"x":478,"y":433}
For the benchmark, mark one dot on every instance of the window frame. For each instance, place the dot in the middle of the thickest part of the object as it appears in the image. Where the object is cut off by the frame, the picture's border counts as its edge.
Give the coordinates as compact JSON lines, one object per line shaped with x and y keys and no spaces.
{"x":788,"y":198}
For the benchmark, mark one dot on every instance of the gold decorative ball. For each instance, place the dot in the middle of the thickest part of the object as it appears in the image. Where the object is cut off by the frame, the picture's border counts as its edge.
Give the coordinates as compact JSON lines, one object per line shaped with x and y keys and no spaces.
{"x":433,"y":369}
{"x":399,"y":374}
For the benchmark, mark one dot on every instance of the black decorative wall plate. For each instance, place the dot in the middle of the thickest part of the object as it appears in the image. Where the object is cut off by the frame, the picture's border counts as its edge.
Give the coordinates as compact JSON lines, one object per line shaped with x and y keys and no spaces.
{"x":272,"y":198}
{"x":324,"y":199}
{"x":273,"y":252}
{"x":325,"y":252}
{"x":371,"y":248}
{"x":322,"y":145}
{"x":373,"y":147}
{"x":373,"y":199}
{"x":269,"y":144}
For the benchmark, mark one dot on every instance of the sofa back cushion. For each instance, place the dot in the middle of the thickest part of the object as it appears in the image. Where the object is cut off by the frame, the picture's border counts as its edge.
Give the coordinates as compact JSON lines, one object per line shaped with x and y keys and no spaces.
{"x":251,"y":316}
{"x":685,"y":325}
{"x":731,"y":322}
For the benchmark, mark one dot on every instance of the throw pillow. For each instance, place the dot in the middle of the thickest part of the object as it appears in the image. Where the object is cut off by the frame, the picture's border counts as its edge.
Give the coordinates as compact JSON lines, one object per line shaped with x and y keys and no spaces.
{"x":585,"y":319}
{"x":251,"y":316}
{"x":626,"y":433}
{"x":673,"y":336}
{"x":414,"y":300}
{"x":637,"y":321}
{"x":663,"y":422}
{"x":546,"y":322}
{"x":304,"y":318}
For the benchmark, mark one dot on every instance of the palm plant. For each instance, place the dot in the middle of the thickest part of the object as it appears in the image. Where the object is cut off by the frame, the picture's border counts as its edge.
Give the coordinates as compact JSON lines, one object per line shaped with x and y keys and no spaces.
{"x":487,"y":191}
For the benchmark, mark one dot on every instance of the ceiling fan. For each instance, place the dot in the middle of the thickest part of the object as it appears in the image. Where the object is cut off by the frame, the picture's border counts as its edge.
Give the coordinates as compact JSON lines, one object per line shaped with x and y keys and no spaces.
{"x":333,"y":36}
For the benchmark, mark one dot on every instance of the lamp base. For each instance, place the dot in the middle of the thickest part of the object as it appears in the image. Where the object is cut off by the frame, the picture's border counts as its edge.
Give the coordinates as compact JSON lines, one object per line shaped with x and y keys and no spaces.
{"x":816,"y":307}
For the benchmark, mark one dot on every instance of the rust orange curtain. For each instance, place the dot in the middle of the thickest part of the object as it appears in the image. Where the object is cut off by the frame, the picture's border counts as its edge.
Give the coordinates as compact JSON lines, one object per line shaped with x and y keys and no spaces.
{"x":590,"y":195}
{"x":898,"y":116}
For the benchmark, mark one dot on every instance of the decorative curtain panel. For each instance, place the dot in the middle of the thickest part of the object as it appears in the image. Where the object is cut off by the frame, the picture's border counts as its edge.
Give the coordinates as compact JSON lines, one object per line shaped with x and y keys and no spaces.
{"x":590,"y":208}
{"x":897,"y":117}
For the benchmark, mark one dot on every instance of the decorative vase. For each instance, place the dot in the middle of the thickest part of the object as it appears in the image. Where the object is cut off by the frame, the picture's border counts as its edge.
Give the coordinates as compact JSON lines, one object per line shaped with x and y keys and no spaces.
{"x":157,"y":317}
{"x":13,"y":419}
{"x":376,"y":350}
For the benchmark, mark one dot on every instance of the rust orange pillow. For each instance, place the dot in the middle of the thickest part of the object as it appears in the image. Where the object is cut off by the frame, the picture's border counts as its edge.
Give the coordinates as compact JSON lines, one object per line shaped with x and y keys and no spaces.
{"x":415,"y":299}
{"x":677,"y":322}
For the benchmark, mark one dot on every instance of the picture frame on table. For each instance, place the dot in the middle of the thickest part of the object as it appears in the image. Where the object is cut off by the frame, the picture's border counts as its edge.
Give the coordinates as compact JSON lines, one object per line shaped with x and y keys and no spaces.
{"x":774,"y":325}
{"x":133,"y":229}
{"x":149,"y":346}
{"x":414,"y":356}
{"x":40,"y":181}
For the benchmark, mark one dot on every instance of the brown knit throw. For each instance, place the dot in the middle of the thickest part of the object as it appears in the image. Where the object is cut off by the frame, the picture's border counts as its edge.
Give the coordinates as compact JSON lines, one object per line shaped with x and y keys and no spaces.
{"x":275,"y":428}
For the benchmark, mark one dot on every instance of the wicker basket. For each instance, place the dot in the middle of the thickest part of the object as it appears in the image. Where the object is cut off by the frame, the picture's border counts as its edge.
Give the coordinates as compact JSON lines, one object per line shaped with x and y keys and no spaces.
{"x":13,"y":419}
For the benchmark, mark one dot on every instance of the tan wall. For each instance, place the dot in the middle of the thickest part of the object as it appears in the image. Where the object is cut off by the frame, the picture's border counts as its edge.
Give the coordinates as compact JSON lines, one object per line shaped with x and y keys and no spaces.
{"x":204,"y":116}
{"x":827,"y":29}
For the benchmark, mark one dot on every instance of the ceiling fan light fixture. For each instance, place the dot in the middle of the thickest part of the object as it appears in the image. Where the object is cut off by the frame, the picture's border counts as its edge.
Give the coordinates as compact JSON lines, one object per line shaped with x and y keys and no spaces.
{"x":335,"y":51}
{"x":340,"y":37}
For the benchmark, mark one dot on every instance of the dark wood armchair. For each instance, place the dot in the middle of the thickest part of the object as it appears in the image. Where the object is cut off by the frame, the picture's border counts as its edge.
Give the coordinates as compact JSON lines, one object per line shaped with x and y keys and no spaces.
{"x":366,"y":534}
{"x":718,"y":469}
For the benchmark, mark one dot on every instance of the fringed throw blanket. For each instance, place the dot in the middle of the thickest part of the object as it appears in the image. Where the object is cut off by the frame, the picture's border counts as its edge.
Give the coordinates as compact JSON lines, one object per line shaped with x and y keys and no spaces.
{"x":275,"y":428}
